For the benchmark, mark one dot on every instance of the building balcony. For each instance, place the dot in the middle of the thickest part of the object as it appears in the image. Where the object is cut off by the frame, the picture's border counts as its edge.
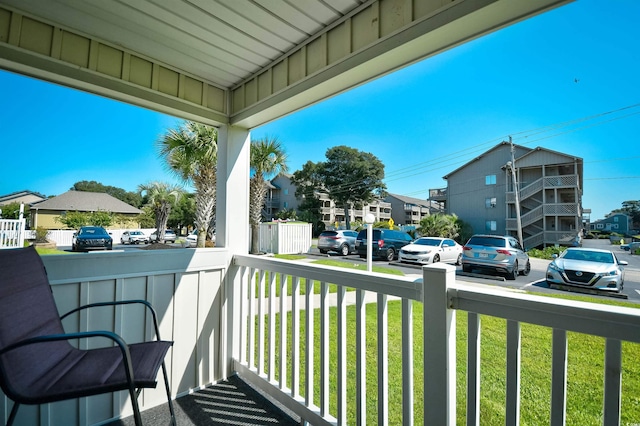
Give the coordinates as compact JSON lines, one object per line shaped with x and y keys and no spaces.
{"x":224,"y":312}
{"x":439,"y":194}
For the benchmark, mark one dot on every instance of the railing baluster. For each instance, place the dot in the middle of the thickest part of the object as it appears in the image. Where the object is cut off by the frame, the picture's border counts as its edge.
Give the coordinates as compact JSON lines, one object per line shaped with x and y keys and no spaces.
{"x":272,"y":327}
{"x":407,"y":362}
{"x":295,"y":337}
{"x":383,"y":361}
{"x":473,"y":369}
{"x":283,"y":330}
{"x":251,"y":319}
{"x":361,"y":358}
{"x":261,"y":323}
{"x":244,"y":314}
{"x":612,"y":382}
{"x":342,"y":356}
{"x":513,"y":373}
{"x":559,"y":378}
{"x":325,"y":373}
{"x":309,"y":342}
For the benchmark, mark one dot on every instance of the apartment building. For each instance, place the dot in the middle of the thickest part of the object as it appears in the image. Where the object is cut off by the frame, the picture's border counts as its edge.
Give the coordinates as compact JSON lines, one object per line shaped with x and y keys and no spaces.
{"x":281,"y":195}
{"x":549,"y":187}
{"x":410,"y":211}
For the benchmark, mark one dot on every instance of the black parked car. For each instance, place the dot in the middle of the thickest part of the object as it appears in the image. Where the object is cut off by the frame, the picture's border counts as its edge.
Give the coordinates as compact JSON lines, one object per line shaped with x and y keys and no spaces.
{"x":386,"y":243}
{"x":91,"y":238}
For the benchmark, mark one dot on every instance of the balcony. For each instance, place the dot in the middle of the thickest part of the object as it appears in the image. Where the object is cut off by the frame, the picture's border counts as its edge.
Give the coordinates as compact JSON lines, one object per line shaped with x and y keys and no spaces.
{"x":224,"y":313}
{"x":439,"y":194}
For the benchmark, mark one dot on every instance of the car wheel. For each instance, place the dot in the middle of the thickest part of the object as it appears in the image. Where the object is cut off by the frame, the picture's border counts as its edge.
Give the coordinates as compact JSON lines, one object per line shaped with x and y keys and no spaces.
{"x":436,"y":258}
{"x":362,"y":256}
{"x":514,"y":273}
{"x":390,"y":254}
{"x":344,"y":249}
{"x":323,"y":251}
{"x":527,"y":269}
{"x":466,"y":268}
{"x":459,"y":260}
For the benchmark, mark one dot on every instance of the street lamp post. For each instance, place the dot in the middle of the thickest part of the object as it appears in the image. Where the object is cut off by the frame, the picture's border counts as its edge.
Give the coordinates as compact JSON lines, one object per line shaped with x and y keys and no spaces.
{"x":369,"y":219}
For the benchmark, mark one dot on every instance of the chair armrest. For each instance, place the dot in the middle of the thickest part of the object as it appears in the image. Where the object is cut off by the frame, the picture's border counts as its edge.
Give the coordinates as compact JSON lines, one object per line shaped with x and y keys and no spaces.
{"x":120,"y":302}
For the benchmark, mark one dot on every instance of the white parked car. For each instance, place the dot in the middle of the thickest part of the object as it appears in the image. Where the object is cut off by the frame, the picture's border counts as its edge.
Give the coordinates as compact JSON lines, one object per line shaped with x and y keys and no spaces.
{"x":133,"y":237}
{"x":431,"y":250}
{"x":588,"y":268}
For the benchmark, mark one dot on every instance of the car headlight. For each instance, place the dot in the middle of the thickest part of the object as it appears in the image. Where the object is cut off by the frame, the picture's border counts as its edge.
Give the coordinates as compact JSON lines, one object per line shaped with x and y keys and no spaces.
{"x":612,"y":273}
{"x":555,"y":267}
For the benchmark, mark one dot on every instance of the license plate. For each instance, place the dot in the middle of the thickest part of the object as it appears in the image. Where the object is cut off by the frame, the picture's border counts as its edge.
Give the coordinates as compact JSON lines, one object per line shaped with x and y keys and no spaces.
{"x":483,"y":255}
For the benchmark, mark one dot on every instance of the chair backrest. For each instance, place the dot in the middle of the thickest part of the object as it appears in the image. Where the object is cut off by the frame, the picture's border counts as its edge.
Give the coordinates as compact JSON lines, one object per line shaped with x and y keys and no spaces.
{"x":27,"y":309}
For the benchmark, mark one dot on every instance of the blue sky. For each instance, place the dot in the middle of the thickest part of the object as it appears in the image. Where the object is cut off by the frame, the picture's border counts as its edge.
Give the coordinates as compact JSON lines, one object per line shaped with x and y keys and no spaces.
{"x":422,"y":122}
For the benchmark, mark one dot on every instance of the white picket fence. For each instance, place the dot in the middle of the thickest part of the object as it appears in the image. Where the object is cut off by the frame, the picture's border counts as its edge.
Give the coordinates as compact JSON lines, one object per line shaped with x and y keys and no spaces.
{"x":285,"y":238}
{"x":12,"y":233}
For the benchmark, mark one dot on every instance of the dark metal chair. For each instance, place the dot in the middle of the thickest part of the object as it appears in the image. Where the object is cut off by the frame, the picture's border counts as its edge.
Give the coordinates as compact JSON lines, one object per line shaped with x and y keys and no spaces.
{"x":38,"y":363}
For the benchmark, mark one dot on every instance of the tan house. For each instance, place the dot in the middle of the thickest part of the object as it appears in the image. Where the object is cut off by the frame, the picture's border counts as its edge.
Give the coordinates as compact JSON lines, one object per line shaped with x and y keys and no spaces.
{"x":24,"y":197}
{"x":47,"y":213}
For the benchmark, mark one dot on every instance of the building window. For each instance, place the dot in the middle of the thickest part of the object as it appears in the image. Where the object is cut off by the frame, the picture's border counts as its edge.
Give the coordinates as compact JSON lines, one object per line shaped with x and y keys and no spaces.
{"x":615,"y":226}
{"x":286,"y":205}
{"x":286,"y":191}
{"x":600,"y":226}
{"x":490,"y":180}
{"x":615,"y":218}
{"x":490,"y":202}
{"x":491,"y":225}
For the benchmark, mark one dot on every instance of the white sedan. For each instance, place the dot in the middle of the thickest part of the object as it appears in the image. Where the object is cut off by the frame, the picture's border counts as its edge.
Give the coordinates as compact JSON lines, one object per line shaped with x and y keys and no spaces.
{"x":431,"y":250}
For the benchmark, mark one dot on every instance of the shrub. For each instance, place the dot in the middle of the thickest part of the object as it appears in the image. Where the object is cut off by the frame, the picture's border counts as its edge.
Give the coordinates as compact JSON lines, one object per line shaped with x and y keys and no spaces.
{"x":41,"y":235}
{"x":546,"y":253}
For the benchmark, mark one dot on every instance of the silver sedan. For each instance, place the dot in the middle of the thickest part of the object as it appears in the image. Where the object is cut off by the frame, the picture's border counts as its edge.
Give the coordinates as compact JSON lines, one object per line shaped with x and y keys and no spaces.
{"x":587,"y":268}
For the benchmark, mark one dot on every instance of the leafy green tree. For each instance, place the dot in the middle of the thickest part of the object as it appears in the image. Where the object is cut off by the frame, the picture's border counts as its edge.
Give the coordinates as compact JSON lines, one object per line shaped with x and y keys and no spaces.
{"x":12,"y":211}
{"x":352,"y":177}
{"x":439,"y":225}
{"x":74,"y":220}
{"x":161,"y":197}
{"x":147,"y":218}
{"x":191,"y":152}
{"x":131,"y":198}
{"x":183,"y":213}
{"x":268,"y":159}
{"x":308,"y":181}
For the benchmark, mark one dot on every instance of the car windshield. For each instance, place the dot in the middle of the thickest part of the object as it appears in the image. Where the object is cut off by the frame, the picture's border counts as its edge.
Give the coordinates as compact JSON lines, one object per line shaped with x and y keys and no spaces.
{"x":487,"y":242}
{"x":427,"y":242}
{"x":91,"y":231}
{"x":589,"y":256}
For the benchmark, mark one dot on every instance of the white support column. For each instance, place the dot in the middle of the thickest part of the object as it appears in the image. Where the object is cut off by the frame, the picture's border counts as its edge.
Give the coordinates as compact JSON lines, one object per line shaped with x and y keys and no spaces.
{"x":232,"y":231}
{"x":439,"y":346}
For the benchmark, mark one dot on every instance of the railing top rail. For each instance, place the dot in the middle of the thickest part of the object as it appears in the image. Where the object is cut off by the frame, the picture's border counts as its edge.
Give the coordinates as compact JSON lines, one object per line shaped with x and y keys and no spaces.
{"x":618,"y":322}
{"x":392,"y":285}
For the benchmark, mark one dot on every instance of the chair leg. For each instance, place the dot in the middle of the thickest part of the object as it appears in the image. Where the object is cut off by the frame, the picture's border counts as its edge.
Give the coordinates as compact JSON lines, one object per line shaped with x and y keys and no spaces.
{"x":12,"y":415}
{"x":134,"y":403}
{"x":168,"y":389}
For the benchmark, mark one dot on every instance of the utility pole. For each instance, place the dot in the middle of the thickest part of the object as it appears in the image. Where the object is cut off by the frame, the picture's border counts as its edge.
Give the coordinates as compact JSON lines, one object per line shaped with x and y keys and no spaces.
{"x":512,"y":165}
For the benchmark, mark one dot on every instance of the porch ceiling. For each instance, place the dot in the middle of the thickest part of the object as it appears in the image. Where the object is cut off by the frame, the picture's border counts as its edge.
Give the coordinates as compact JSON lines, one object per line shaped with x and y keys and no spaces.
{"x":242,"y":62}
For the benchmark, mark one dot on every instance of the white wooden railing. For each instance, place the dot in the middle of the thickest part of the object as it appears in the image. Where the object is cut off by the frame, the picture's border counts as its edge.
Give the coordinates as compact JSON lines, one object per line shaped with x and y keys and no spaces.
{"x":271,"y":352}
{"x":11,"y":233}
{"x":195,"y":291}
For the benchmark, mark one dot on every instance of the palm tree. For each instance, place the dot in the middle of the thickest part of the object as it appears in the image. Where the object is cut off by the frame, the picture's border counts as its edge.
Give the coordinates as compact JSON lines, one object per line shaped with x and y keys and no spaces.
{"x":268,"y":159}
{"x":439,"y":225}
{"x":191,"y":152}
{"x":160,"y":196}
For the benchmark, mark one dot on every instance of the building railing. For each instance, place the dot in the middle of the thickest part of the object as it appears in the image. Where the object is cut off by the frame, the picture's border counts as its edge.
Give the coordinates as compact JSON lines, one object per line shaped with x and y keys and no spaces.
{"x":194,"y":291}
{"x":279,"y":356}
{"x":439,"y":194}
{"x":528,"y":189}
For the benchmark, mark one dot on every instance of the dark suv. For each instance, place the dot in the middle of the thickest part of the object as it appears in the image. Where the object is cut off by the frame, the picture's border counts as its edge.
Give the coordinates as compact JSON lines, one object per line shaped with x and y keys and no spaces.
{"x":342,"y":241}
{"x":386,"y":243}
